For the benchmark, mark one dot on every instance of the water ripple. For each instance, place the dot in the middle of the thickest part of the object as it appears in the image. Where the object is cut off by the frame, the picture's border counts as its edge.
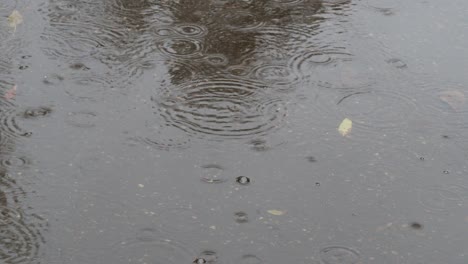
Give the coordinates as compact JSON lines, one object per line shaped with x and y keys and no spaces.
{"x":377,"y":111}
{"x":116,"y":33}
{"x":339,"y":255}
{"x":162,"y":137}
{"x":181,"y":47}
{"x":222,"y":108}
{"x":20,"y":237}
{"x":9,"y":125}
{"x":154,"y":250}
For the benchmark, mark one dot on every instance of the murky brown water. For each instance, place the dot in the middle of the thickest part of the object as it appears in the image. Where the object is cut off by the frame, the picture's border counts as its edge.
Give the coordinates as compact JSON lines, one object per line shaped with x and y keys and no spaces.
{"x":200,"y":131}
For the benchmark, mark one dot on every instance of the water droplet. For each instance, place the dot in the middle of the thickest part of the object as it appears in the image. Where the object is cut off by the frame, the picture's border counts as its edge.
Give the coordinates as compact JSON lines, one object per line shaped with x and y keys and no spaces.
{"x":82,"y":119}
{"x":199,"y":261}
{"x":416,"y":226}
{"x":241,"y":217}
{"x":207,"y":256}
{"x":339,"y":255}
{"x":213,"y":173}
{"x":446,"y":172}
{"x":37,"y":112}
{"x":311,"y":159}
{"x":397,"y":63}
{"x":180,"y":47}
{"x":250,"y":259}
{"x":243,"y":180}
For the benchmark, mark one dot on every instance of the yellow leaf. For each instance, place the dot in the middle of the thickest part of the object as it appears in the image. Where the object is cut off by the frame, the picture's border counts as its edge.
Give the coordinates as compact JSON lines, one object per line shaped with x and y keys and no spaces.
{"x":15,"y":18}
{"x":276,"y":212}
{"x":345,"y":127}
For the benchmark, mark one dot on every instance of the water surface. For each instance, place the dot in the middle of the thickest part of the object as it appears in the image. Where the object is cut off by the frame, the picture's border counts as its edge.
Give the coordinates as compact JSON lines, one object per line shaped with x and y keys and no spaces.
{"x":198,"y":131}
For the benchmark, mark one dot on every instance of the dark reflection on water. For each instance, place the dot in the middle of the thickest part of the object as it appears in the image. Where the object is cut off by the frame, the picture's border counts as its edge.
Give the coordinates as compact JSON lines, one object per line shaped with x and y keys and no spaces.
{"x":225,"y":60}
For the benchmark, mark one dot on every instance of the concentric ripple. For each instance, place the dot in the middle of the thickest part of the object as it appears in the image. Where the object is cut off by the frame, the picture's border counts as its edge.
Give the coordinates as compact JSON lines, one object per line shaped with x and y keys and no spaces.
{"x":213,"y":173}
{"x":83,"y":119}
{"x":20,"y":237}
{"x":339,"y":255}
{"x":180,"y":47}
{"x":13,"y":162}
{"x":241,"y":20}
{"x":304,"y":63}
{"x":191,"y":30}
{"x":222,"y":108}
{"x":377,"y":110}
{"x":19,"y":243}
{"x":9,"y":125}
{"x":150,"y":251}
{"x":90,"y":86}
{"x":277,"y":75}
{"x":162,"y":137}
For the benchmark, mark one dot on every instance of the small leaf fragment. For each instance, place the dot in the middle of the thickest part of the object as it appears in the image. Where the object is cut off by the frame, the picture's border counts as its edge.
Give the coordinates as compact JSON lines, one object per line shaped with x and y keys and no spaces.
{"x":276,"y":212}
{"x":11,"y":93}
{"x":15,"y":18}
{"x":345,"y":127}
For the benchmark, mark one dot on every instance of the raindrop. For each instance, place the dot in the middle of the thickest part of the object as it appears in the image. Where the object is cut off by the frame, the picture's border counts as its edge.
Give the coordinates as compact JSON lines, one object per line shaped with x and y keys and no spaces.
{"x":397,"y":63}
{"x":10,"y":127}
{"x":317,"y":184}
{"x":416,"y":226}
{"x":52,"y":79}
{"x":78,"y":66}
{"x":199,"y":261}
{"x":250,"y":259}
{"x":259,"y":145}
{"x":243,"y":180}
{"x":191,"y":30}
{"x":339,"y":255}
{"x":241,"y":217}
{"x":155,"y":251}
{"x":213,"y":173}
{"x":82,"y":119}
{"x":421,"y":158}
{"x":207,"y":256}
{"x":37,"y":112}
{"x":180,"y":47}
{"x":311,"y":159}
{"x":14,"y":162}
{"x":446,"y":172}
